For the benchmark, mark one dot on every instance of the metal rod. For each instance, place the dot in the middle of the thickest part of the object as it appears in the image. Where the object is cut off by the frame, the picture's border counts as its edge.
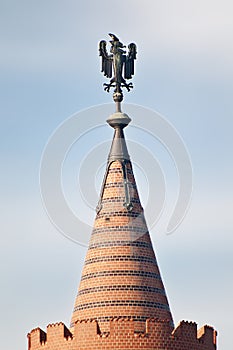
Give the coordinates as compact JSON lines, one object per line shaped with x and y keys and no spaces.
{"x":118,"y":107}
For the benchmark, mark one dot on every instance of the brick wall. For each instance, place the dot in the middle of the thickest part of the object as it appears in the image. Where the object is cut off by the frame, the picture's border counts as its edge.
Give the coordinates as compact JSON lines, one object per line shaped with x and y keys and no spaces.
{"x":122,"y":335}
{"x":120,"y":276}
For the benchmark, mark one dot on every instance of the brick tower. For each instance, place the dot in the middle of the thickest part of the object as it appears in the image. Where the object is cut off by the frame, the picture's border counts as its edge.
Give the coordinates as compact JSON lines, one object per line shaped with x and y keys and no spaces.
{"x":121,"y":301}
{"x":120,"y":276}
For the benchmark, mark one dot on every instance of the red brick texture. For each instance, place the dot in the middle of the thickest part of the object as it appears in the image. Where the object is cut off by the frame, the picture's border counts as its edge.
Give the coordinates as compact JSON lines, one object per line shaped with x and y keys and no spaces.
{"x":122,"y":335}
{"x":120,"y":275}
{"x":121,"y":301}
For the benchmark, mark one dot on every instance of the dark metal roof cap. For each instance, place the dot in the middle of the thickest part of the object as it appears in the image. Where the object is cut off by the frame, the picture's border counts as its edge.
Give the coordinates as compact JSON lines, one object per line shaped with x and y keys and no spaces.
{"x":118,"y":119}
{"x":118,"y":149}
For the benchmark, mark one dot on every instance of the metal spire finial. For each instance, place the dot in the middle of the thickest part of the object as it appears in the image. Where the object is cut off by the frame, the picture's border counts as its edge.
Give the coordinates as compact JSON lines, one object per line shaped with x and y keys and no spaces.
{"x":116,"y":61}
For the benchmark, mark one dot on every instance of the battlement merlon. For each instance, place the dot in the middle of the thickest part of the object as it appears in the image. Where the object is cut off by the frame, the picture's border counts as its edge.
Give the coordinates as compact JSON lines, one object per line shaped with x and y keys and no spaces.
{"x":157,"y":333}
{"x":56,"y":332}
{"x":188,"y":330}
{"x":207,"y":334}
{"x":36,"y":337}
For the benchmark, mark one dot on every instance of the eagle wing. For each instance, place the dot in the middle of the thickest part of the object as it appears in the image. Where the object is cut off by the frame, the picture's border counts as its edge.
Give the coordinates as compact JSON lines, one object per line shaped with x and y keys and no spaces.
{"x":106,"y":59}
{"x":129,"y":61}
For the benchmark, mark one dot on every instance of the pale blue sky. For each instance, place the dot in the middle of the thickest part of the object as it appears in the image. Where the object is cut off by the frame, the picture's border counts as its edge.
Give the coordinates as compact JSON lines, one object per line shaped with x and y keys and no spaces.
{"x":50,"y":70}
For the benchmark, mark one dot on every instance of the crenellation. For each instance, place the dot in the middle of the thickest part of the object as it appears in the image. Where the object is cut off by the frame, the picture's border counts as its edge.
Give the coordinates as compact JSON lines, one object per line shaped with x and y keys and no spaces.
{"x":155,"y":326}
{"x":207,"y":334}
{"x":57,"y":331}
{"x":186,"y":330}
{"x":121,"y":326}
{"x":36,"y":337}
{"x":123,"y":333}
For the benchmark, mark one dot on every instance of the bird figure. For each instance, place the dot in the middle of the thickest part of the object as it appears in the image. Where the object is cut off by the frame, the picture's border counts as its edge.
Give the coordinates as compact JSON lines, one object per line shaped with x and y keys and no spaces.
{"x":117,"y":62}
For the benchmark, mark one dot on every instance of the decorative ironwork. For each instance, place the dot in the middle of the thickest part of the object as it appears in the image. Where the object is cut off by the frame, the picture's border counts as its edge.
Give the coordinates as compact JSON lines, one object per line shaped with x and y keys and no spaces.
{"x":128,"y":203}
{"x":117,"y":64}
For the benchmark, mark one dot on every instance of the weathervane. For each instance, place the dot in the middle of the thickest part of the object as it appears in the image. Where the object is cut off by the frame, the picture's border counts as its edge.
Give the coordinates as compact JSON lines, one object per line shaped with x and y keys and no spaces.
{"x":117,"y":61}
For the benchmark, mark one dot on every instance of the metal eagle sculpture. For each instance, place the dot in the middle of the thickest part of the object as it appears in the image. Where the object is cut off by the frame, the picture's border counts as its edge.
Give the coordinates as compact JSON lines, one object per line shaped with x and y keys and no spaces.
{"x":117,"y":65}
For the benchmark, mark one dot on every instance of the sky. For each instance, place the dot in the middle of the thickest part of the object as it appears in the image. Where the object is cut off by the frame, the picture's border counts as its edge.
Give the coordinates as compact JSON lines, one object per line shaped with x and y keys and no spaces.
{"x":50,"y":71}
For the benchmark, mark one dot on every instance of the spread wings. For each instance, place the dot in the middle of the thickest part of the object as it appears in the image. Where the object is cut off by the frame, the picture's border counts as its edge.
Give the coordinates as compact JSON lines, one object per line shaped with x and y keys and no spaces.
{"x":129,"y":61}
{"x":106,"y":59}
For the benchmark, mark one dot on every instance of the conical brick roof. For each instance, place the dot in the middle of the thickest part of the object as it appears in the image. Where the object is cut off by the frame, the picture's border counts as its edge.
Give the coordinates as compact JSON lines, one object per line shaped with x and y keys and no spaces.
{"x":121,"y":276}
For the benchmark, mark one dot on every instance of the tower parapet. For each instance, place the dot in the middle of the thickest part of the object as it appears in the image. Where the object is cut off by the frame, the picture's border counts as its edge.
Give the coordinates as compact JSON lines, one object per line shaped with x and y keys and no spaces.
{"x":123,"y":334}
